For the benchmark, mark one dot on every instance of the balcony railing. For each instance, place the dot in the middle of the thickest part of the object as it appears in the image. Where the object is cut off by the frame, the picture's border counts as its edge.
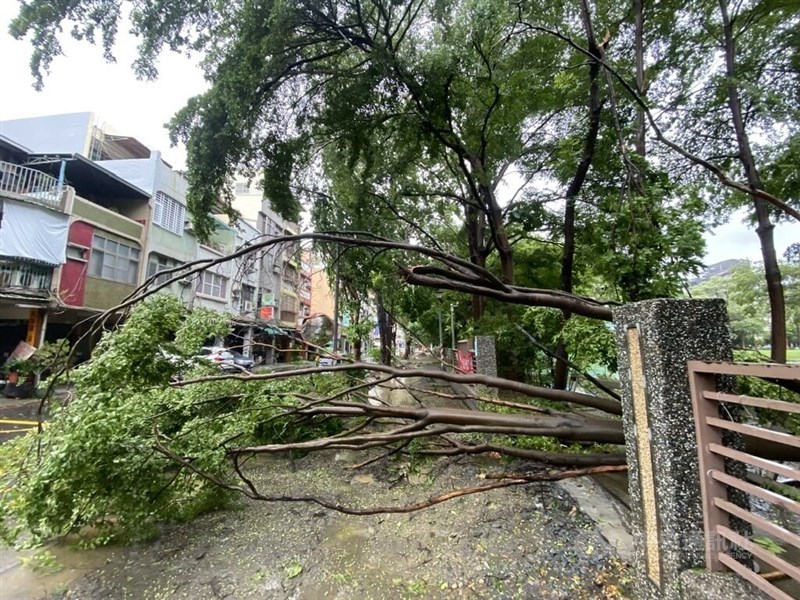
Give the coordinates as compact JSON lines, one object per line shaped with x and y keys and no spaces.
{"x":28,"y":277}
{"x":31,"y":185}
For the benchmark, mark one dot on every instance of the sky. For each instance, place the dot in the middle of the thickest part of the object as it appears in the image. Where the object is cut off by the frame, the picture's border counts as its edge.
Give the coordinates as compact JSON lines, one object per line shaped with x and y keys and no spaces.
{"x":82,"y":81}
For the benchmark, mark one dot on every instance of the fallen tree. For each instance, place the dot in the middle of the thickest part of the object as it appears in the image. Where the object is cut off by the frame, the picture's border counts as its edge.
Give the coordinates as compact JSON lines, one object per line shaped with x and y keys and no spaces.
{"x":148,"y":434}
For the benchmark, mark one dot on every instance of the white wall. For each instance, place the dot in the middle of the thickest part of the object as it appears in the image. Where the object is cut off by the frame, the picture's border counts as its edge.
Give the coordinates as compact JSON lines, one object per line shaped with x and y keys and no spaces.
{"x":169,"y":181}
{"x":138,"y":171}
{"x":56,"y":134}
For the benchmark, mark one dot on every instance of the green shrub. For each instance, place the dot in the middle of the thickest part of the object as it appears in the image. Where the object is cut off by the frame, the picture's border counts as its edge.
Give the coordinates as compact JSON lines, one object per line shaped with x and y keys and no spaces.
{"x":96,"y":466}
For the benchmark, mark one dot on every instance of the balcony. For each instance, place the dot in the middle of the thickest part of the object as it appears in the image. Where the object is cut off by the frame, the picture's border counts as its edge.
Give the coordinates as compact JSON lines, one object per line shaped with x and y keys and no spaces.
{"x":24,"y":183}
{"x":25,"y":278}
{"x":107,"y":218}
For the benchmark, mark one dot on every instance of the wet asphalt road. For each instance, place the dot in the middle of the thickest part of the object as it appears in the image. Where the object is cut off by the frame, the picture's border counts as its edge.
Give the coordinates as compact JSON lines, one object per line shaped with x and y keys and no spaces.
{"x":17,"y":416}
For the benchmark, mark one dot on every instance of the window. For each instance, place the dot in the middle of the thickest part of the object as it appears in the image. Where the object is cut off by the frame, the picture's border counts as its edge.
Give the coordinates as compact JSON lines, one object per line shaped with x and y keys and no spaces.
{"x":117,"y":261}
{"x":288,"y":303}
{"x":212,"y":284}
{"x":169,"y":213}
{"x":290,"y":276}
{"x":242,"y":187}
{"x":157,"y":263}
{"x":248,"y":294}
{"x":76,"y":252}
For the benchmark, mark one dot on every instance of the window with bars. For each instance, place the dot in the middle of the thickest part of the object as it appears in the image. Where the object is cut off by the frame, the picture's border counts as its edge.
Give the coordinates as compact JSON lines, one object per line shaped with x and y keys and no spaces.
{"x":212,"y":285}
{"x":113,"y":260}
{"x":169,"y":213}
{"x":157,"y":263}
{"x":248,"y":293}
{"x":288,"y":303}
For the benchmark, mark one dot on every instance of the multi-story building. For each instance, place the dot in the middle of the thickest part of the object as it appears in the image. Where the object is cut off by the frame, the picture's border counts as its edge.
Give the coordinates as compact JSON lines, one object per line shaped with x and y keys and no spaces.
{"x":304,"y":291}
{"x":102,"y":244}
{"x":122,"y":210}
{"x":75,"y":133}
{"x":34,"y":222}
{"x":282,"y":298}
{"x":322,"y":307}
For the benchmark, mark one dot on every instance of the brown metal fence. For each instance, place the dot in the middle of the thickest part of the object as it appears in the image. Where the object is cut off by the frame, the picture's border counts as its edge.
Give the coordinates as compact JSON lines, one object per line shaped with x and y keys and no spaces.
{"x":779,"y":576}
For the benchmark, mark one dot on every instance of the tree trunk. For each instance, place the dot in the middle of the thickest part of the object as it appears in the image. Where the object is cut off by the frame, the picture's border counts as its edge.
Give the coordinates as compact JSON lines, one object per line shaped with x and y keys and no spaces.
{"x":358,"y":343}
{"x":498,"y":230}
{"x":568,"y":256}
{"x":475,"y":224}
{"x":638,"y":49}
{"x":765,"y":227}
{"x":385,"y":333}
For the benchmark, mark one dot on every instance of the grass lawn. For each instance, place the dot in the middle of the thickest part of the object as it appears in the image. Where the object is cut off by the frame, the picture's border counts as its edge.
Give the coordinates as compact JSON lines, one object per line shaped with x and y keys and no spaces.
{"x":792,"y":355}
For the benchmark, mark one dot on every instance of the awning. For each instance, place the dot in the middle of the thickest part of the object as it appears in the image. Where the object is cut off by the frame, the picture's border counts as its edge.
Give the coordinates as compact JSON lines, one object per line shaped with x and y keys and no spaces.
{"x":89,"y":178}
{"x":294,"y":333}
{"x":272,"y":331}
{"x":271,"y":327}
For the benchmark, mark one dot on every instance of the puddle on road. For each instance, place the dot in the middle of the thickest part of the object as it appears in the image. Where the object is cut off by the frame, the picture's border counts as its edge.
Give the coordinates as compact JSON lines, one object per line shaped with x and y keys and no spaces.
{"x":24,"y":582}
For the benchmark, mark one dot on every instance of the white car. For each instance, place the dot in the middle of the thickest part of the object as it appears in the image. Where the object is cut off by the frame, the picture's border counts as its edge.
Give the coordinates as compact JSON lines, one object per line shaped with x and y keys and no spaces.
{"x":220,"y":356}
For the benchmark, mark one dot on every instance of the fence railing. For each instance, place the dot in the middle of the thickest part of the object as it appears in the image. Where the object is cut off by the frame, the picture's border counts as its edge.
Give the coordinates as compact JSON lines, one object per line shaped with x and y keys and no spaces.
{"x":776,"y":547}
{"x":31,"y":185}
{"x":25,"y":276}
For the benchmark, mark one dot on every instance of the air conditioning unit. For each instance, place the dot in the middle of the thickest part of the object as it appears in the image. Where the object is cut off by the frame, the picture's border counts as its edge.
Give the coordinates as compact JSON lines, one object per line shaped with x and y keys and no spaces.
{"x":247,"y":306}
{"x":276,"y":269}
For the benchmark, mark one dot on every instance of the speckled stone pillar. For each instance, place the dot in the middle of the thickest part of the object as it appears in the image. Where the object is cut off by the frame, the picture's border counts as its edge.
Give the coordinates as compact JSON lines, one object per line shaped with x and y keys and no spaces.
{"x":485,"y":355}
{"x":485,"y":362}
{"x":655,"y":340}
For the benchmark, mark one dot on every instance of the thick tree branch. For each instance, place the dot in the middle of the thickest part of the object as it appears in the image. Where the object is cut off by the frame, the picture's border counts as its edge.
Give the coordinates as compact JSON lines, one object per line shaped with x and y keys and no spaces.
{"x":250,"y":490}
{"x":606,"y":405}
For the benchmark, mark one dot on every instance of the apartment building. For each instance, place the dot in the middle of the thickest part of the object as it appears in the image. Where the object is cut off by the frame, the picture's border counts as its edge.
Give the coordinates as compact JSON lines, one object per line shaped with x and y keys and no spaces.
{"x":285,"y":295}
{"x":34,"y":223}
{"x":99,"y":247}
{"x":122,"y":215}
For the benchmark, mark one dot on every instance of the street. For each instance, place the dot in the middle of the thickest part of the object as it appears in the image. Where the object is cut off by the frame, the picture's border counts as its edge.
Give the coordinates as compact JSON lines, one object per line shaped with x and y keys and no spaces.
{"x":17,"y":417}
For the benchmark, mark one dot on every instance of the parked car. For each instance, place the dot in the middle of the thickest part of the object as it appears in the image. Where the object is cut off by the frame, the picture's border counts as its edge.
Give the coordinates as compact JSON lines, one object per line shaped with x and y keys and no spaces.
{"x":222,"y":357}
{"x":240,"y":360}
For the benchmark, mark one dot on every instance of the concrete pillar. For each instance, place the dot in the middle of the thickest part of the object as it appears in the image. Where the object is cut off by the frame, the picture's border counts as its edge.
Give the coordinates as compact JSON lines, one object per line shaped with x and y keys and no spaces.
{"x":485,"y":355}
{"x":655,"y":340}
{"x":485,"y":361}
{"x":247,"y":342}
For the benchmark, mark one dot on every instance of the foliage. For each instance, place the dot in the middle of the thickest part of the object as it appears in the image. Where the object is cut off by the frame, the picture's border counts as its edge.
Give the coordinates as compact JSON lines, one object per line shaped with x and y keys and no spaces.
{"x":23,"y":367}
{"x":406,"y":120}
{"x":50,"y":356}
{"x":753,"y":386}
{"x":95,"y":463}
{"x":744,"y":289}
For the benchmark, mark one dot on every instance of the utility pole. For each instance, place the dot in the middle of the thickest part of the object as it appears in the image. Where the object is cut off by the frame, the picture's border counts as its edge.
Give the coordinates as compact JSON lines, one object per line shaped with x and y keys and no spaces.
{"x":453,"y":325}
{"x":438,"y":295}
